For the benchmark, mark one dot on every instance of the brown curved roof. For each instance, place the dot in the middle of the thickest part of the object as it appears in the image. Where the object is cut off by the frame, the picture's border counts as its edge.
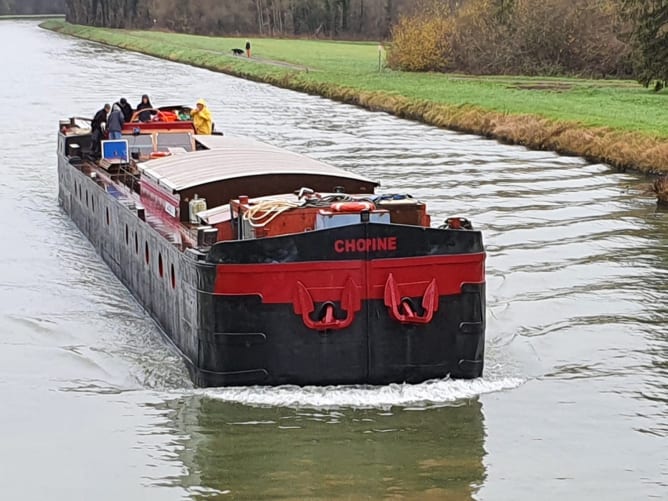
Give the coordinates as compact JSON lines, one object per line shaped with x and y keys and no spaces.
{"x":233,"y":158}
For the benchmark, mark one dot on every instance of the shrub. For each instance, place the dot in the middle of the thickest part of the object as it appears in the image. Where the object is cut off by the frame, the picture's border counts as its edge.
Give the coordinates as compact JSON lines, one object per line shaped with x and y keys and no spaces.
{"x":421,"y":43}
{"x":532,"y":37}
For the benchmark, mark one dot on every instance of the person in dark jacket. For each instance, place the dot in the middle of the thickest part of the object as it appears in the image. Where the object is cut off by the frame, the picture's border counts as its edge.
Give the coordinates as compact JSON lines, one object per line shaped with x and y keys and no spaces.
{"x":145,"y":116}
{"x":248,"y":48}
{"x":126,"y":109}
{"x":97,"y":130}
{"x":115,"y":122}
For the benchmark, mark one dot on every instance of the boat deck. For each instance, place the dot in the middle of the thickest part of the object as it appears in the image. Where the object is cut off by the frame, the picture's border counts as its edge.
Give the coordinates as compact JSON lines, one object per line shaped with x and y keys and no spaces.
{"x":114,"y":181}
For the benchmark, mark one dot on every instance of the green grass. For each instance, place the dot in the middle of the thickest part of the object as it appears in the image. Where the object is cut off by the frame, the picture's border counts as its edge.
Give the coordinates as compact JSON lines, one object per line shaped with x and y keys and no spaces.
{"x":31,"y":16}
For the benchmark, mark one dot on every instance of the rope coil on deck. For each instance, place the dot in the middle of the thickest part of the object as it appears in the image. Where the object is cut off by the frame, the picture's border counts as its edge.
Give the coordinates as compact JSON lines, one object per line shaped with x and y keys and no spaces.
{"x":265,"y":212}
{"x":268,"y":210}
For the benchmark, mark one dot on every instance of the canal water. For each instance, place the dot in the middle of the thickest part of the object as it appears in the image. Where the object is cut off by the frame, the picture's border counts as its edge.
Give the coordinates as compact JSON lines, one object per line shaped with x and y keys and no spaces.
{"x":95,"y":406}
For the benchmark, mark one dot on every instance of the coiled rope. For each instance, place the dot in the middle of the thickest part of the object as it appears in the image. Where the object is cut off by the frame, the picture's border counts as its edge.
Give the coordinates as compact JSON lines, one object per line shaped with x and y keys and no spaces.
{"x":265,"y":212}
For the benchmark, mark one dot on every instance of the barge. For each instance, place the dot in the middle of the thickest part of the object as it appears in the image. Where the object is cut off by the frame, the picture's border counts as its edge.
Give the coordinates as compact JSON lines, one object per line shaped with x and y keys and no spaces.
{"x":266,"y":267}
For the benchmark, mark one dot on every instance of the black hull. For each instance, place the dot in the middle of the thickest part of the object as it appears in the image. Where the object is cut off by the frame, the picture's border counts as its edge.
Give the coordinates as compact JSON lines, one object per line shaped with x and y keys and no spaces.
{"x":238,"y":339}
{"x":246,"y":354}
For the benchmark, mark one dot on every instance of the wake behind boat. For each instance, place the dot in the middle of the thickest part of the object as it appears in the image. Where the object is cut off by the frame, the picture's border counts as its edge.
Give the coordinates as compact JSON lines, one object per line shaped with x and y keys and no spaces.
{"x":263,"y":266}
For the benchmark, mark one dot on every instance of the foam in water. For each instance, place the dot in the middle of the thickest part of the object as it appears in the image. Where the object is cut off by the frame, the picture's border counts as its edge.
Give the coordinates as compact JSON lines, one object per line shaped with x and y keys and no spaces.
{"x":427,"y":394}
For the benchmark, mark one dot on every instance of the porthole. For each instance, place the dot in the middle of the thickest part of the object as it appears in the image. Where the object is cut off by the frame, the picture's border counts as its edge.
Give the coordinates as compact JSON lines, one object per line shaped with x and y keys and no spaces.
{"x":161,"y":270}
{"x":136,"y":243}
{"x":127,"y":235}
{"x":107,"y":215}
{"x":147,"y":256}
{"x":173,"y":277}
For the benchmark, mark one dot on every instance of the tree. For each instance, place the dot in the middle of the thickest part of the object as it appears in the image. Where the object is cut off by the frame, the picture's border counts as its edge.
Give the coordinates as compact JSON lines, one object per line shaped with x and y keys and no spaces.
{"x":6,"y":7}
{"x":649,"y":39}
{"x":365,"y":19}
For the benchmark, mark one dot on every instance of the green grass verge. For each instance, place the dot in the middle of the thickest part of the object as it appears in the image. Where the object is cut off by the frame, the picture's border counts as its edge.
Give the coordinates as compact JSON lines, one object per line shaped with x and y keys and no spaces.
{"x":605,"y":120}
{"x":9,"y":17}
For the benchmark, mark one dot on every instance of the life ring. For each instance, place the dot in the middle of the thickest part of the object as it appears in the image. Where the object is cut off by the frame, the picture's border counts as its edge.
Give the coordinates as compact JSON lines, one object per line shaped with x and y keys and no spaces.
{"x":359,"y":206}
{"x":159,"y":154}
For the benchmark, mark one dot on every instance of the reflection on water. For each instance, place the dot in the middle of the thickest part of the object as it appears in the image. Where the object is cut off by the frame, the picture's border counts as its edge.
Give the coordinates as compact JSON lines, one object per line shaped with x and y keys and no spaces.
{"x":96,"y":405}
{"x":279,"y":453}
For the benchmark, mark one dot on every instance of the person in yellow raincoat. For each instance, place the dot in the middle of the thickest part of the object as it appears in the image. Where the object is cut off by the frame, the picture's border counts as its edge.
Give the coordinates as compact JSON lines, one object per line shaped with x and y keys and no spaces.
{"x":202,"y":118}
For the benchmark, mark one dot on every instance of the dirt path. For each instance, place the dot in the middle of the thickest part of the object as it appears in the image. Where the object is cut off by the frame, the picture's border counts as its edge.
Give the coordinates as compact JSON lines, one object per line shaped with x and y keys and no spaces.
{"x":262,"y":60}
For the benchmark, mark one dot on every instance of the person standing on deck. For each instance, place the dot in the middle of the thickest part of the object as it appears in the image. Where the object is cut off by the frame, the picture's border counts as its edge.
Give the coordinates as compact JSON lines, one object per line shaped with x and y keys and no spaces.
{"x":97,"y":130}
{"x":115,"y":122}
{"x":126,"y":109}
{"x":202,"y":118}
{"x":145,"y":116}
{"x":248,"y":49}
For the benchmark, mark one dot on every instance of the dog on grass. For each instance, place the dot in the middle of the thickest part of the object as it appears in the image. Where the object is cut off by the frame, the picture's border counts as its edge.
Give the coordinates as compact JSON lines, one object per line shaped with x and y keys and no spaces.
{"x":237,"y":52}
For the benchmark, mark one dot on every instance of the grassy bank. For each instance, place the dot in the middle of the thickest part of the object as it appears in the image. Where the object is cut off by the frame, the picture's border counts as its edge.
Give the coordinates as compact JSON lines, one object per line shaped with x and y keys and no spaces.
{"x":32,"y":16}
{"x":617,"y":122}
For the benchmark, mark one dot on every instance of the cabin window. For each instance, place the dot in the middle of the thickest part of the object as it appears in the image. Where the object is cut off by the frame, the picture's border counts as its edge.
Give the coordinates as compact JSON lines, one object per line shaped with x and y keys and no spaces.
{"x":173,"y":276}
{"x":142,"y":144}
{"x":86,"y":198}
{"x":147,"y":255}
{"x":107,"y":215}
{"x":127,"y":235}
{"x":161,"y":270}
{"x":136,"y":244}
{"x":92,"y":202}
{"x":172,"y":140}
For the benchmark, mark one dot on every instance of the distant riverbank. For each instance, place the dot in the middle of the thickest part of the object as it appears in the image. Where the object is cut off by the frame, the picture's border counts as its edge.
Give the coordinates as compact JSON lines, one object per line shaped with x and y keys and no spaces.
{"x":32,"y":16}
{"x":613,"y":121}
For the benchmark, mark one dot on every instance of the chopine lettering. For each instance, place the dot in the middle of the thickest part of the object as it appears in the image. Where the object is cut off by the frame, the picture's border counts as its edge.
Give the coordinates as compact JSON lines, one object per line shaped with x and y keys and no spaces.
{"x":366,"y":244}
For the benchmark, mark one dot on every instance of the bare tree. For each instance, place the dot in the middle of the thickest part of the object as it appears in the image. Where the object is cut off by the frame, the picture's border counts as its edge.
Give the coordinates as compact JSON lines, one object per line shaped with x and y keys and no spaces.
{"x":358,"y":19}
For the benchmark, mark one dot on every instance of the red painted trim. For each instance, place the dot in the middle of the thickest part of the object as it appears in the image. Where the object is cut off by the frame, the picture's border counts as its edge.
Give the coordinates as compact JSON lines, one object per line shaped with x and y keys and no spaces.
{"x":325,"y":280}
{"x":156,"y":192}
{"x":146,"y":127}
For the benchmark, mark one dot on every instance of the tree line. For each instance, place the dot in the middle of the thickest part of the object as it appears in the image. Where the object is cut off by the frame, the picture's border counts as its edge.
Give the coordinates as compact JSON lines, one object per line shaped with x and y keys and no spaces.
{"x":594,"y":38}
{"x":23,"y":7}
{"x":352,"y":19}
